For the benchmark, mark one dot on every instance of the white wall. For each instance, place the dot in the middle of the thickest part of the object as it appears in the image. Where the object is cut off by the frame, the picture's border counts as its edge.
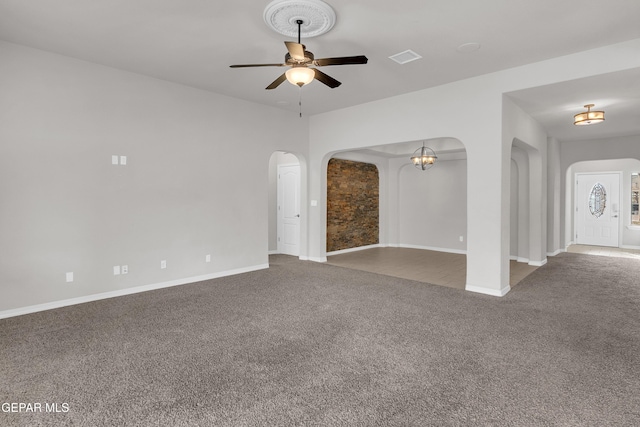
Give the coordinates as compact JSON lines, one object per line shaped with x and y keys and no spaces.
{"x":474,"y":112}
{"x":554,"y":203}
{"x":189,"y":188}
{"x":614,"y":154}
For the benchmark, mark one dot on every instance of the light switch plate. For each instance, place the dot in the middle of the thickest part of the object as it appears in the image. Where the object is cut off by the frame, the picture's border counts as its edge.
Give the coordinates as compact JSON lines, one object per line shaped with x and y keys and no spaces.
{"x":114,"y":160}
{"x":123,"y":160}
{"x":70,"y":276}
{"x":116,"y":270}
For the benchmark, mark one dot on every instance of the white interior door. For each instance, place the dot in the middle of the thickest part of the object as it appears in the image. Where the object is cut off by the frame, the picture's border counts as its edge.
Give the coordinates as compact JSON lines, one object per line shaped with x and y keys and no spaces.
{"x":598,"y":209}
{"x":289,"y":209}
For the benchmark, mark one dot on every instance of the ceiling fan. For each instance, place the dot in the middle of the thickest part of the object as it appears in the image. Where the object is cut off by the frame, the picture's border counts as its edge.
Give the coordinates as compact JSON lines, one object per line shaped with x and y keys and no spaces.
{"x":300,"y":60}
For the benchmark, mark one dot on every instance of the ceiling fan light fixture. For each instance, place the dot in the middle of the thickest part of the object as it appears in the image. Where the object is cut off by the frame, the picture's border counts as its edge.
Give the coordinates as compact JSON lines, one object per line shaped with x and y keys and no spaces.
{"x":588,"y":117}
{"x":300,"y":76}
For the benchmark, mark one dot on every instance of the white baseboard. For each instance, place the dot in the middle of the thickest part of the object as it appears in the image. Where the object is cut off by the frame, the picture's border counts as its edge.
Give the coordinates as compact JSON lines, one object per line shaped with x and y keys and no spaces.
{"x":629,"y":247}
{"x":317,"y":259}
{"x":488,"y":291}
{"x":273,"y":252}
{"x":359,"y":248}
{"x":433,"y":248}
{"x":556,"y":252}
{"x":538,"y":263}
{"x":121,"y":292}
{"x":522,"y":259}
{"x":394,"y":245}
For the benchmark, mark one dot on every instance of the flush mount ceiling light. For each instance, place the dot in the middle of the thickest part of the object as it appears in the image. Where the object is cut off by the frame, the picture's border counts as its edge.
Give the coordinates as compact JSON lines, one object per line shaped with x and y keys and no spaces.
{"x":588,"y":117}
{"x":424,"y":158}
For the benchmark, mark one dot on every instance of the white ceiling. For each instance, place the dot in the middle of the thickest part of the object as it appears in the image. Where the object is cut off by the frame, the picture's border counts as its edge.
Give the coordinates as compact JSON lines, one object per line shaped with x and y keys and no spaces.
{"x":193,"y":42}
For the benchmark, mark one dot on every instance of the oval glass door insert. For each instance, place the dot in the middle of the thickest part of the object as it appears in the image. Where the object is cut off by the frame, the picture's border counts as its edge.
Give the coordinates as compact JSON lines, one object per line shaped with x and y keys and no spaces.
{"x":597,"y":200}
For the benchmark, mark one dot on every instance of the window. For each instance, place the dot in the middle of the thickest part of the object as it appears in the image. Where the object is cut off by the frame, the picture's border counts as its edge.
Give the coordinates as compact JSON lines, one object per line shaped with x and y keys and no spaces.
{"x":635,"y":188}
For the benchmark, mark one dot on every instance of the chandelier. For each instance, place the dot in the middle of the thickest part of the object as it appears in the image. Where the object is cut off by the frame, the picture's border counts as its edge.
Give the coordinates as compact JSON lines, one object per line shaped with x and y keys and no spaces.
{"x":424,"y":158}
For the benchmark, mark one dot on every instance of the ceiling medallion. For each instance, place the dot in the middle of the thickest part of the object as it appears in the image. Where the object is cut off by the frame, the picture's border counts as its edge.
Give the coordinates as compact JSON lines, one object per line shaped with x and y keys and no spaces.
{"x":282,"y":16}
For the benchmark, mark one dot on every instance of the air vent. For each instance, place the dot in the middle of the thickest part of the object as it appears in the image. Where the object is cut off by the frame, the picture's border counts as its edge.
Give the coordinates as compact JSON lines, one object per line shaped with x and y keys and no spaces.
{"x":404,"y":57}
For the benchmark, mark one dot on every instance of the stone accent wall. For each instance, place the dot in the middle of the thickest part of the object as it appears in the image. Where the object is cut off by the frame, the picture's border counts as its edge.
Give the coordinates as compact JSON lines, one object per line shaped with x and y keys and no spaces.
{"x":352,"y":204}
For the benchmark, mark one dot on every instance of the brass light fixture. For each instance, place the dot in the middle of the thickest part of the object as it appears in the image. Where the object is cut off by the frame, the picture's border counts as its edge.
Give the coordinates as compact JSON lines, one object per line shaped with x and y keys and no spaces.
{"x":588,"y":117}
{"x":424,"y":158}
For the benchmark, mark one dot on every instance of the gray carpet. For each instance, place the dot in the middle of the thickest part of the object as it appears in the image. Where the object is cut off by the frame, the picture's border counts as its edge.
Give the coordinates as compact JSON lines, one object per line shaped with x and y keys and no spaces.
{"x":312,"y":345}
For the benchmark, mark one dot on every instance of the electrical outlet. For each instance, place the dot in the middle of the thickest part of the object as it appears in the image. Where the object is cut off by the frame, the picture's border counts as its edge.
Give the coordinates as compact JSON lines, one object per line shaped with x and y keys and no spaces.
{"x":114,"y":160}
{"x":163,"y":264}
{"x":124,"y":269}
{"x":462,"y":238}
{"x":207,"y":258}
{"x":70,"y":276}
{"x":123,"y":160}
{"x":116,"y":270}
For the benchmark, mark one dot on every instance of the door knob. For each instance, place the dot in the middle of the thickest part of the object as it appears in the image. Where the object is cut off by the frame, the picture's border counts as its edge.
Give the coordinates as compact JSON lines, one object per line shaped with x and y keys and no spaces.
{"x":298,"y":216}
{"x":615,"y":216}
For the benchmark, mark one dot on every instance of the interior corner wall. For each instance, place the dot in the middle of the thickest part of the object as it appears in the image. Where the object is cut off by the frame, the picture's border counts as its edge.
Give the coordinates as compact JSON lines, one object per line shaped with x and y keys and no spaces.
{"x":188,"y":188}
{"x":432,"y":206}
{"x":521,"y":130}
{"x":513,"y":234}
{"x":353,"y":204}
{"x":522,"y":200}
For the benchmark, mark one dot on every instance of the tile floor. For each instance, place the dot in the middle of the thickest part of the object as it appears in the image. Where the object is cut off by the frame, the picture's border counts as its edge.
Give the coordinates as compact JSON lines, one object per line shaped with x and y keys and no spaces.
{"x":438,"y":268}
{"x":604,"y":251}
{"x":442,"y":268}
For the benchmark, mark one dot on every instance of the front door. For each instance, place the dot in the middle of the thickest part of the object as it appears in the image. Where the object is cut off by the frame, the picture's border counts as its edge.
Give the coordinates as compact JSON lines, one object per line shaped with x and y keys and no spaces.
{"x":598,"y":209}
{"x":289,"y":209}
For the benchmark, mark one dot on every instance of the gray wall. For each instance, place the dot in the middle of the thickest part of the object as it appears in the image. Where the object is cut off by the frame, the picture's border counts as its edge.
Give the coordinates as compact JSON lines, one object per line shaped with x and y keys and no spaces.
{"x":433,"y":206}
{"x":189,"y":188}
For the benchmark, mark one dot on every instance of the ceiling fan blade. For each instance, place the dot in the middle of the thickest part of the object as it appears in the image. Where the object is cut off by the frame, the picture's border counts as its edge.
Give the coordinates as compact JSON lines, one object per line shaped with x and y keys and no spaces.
{"x":328,"y":80}
{"x":296,"y":50}
{"x":277,"y":81}
{"x":257,"y":65}
{"x":343,"y":60}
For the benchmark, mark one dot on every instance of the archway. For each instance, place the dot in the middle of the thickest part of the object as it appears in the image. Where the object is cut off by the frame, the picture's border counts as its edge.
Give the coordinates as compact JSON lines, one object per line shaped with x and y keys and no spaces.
{"x":629,"y":234}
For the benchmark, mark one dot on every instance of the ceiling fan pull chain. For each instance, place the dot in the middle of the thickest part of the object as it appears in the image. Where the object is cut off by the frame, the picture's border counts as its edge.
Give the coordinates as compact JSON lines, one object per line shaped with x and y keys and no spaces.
{"x":300,"y":101}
